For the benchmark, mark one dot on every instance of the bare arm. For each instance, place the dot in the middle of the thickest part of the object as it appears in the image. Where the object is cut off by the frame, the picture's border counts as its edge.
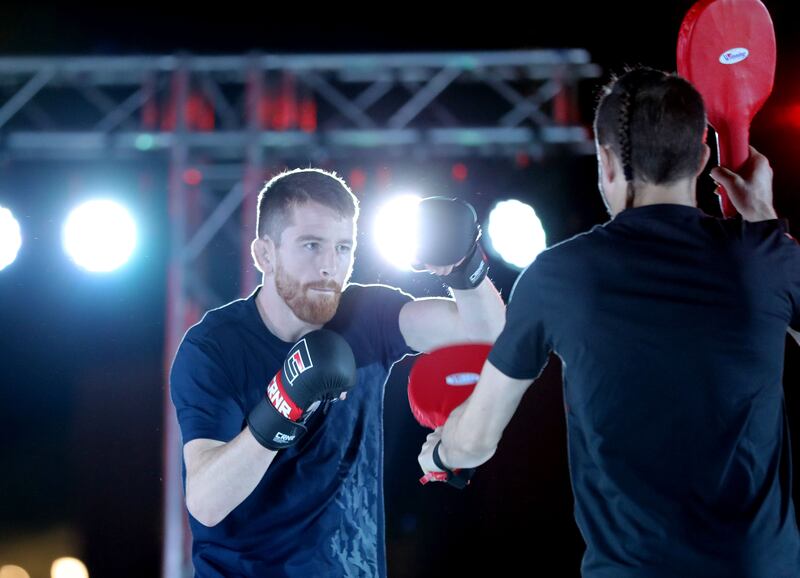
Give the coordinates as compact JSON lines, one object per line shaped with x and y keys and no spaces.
{"x":474,"y":315}
{"x":473,"y":430}
{"x":220,"y":476}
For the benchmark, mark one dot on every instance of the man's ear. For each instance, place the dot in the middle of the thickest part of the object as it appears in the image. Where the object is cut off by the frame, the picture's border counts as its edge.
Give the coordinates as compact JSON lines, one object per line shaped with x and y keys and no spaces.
{"x":263,"y":252}
{"x":608,"y":162}
{"x":704,"y":159}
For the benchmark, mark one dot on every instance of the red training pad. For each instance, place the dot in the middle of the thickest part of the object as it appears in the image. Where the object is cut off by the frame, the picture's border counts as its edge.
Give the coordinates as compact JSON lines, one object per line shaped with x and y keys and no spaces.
{"x":443,"y":379}
{"x":726,"y":48}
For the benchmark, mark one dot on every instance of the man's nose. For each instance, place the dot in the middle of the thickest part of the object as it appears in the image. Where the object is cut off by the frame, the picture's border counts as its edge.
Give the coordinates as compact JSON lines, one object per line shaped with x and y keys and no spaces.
{"x":328,"y":263}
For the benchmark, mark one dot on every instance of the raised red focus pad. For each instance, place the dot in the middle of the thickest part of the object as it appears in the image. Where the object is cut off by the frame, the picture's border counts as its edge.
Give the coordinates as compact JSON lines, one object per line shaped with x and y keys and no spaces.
{"x":443,"y":379}
{"x":726,"y":48}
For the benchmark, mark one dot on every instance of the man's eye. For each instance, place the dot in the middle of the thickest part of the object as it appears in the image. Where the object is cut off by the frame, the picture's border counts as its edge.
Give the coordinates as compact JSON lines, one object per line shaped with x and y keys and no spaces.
{"x":312,"y":245}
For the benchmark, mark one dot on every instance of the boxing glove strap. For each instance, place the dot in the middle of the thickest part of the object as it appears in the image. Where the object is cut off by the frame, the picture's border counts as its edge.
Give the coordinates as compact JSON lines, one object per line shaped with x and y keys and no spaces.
{"x":470,"y":272}
{"x":271,"y":429}
{"x":458,"y":478}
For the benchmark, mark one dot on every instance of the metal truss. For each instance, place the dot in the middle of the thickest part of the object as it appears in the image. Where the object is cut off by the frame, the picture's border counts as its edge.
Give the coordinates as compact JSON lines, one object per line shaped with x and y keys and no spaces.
{"x":231,"y":118}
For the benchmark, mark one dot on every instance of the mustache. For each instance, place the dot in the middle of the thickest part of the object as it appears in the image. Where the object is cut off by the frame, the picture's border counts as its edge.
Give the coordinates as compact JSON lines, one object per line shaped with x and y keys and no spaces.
{"x":331,"y":286}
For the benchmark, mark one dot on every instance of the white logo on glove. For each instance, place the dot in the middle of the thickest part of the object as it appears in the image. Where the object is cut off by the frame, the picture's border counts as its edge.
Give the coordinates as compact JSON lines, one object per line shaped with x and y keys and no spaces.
{"x":277,"y":400}
{"x":299,"y":360}
{"x":282,"y":438}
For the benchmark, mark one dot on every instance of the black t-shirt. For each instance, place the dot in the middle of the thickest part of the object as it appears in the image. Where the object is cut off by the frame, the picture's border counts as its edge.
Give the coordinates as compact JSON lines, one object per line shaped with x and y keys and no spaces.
{"x":318,"y":510}
{"x":671,"y":326}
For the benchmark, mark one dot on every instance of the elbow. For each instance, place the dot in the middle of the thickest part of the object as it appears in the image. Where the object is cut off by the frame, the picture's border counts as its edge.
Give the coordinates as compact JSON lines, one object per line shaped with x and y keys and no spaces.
{"x":200,"y":511}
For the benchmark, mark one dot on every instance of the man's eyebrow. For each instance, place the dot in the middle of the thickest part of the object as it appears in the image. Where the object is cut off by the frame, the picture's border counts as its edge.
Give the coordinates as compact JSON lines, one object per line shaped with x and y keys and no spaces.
{"x":310,"y":237}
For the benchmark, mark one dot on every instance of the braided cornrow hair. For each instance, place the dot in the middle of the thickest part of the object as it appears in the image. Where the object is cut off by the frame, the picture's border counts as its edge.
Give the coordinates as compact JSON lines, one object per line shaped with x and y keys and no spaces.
{"x":624,"y":138}
{"x":654,"y":122}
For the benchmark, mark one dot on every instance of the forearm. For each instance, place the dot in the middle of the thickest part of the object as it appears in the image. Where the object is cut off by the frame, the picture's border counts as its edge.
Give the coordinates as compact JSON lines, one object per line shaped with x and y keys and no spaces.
{"x":224,"y":476}
{"x":463,"y":446}
{"x":759,"y":211}
{"x":473,"y":430}
{"x":481,"y":311}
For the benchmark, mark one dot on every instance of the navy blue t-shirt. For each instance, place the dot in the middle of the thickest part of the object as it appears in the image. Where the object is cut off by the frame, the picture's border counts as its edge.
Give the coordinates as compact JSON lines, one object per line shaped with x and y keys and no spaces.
{"x":318,"y":510}
{"x":671,"y":327}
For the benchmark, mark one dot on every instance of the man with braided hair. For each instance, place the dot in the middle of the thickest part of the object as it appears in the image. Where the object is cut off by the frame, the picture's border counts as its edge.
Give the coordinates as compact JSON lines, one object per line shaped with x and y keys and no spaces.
{"x":671,"y":327}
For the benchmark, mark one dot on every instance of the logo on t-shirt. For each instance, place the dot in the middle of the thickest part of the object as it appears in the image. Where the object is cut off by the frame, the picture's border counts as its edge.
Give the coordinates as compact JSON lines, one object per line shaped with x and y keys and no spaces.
{"x":298,"y":361}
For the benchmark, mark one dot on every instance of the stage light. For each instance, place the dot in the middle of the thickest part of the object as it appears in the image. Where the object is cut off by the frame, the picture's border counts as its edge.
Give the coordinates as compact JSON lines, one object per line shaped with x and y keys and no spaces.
{"x":68,"y":568}
{"x":12,"y":571}
{"x":395,"y":229}
{"x":515,"y":233}
{"x":10,"y":238}
{"x":99,"y":235}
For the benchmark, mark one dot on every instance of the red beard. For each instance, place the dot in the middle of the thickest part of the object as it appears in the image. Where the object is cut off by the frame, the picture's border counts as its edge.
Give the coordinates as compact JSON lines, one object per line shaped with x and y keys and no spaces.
{"x":306,"y":304}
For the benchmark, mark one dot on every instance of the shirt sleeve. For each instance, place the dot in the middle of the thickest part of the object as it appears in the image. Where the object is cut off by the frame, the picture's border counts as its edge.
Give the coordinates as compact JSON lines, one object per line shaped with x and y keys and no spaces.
{"x":203,"y":395}
{"x":793,"y":272}
{"x":389,"y":302}
{"x":522,"y":348}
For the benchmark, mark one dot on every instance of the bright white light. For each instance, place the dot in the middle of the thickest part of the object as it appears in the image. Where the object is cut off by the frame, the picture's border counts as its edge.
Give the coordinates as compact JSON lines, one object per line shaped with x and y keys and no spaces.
{"x":516,"y":233}
{"x":395,"y":230}
{"x":12,"y":571}
{"x":10,"y":238}
{"x":68,"y":568}
{"x":99,"y":235}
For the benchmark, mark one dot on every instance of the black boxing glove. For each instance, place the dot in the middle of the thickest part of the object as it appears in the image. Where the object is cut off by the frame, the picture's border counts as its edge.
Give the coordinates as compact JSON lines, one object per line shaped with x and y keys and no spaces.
{"x":447,"y":232}
{"x":319,"y":367}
